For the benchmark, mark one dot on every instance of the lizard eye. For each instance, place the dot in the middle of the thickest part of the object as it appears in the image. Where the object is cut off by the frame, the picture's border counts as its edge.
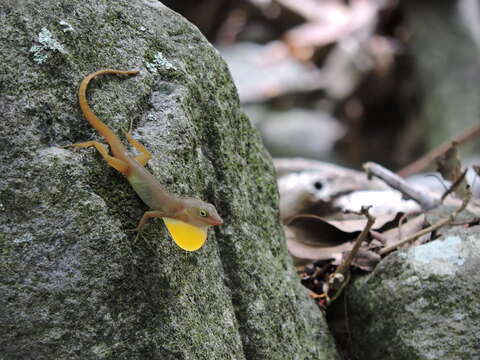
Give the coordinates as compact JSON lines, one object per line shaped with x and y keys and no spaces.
{"x":202,"y":213}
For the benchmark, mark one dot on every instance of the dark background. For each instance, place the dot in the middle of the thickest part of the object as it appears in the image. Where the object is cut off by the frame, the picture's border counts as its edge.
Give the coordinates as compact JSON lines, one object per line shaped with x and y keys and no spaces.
{"x":350,"y":81}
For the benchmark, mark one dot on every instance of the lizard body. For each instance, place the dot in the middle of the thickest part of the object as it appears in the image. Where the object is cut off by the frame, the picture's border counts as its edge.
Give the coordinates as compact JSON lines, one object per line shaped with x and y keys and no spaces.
{"x":187,"y":219}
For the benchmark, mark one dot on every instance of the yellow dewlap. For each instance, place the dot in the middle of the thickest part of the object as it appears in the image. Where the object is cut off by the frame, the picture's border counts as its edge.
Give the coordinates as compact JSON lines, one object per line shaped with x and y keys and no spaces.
{"x":187,"y":236}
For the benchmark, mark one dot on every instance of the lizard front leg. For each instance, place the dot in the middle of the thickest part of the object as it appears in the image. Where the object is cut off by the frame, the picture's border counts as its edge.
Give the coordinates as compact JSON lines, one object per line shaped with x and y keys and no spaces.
{"x":146,"y":216}
{"x":117,"y":164}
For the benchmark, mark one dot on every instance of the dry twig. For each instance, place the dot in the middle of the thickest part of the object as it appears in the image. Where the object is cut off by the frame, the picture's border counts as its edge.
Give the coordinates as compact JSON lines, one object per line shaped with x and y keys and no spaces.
{"x":427,"y":230}
{"x":426,"y":160}
{"x":455,"y":185}
{"x":345,"y":265}
{"x":340,"y":278}
{"x":396,"y":182}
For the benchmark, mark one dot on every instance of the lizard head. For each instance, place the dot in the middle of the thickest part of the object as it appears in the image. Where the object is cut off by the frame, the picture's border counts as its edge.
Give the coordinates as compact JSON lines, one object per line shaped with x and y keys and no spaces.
{"x":200,"y":213}
{"x":189,"y":231}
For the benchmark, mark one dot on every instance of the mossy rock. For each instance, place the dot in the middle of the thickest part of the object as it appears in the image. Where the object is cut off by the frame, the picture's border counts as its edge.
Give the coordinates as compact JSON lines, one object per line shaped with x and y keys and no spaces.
{"x":74,"y":283}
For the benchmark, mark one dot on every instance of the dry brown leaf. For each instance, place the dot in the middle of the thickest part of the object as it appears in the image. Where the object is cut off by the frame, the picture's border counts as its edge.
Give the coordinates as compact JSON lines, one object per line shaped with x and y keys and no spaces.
{"x":476,"y":168}
{"x":303,"y":253}
{"x":410,"y":227}
{"x":448,"y":164}
{"x":311,"y":238}
{"x":450,"y":167}
{"x":317,"y":232}
{"x":365,"y":259}
{"x":357,"y":225}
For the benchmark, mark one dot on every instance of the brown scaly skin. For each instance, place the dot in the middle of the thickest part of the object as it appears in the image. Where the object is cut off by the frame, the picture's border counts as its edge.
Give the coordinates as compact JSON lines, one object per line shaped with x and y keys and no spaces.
{"x":197,"y":213}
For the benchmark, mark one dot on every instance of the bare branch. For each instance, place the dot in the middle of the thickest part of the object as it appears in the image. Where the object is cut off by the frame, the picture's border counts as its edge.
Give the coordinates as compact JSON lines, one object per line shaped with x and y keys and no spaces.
{"x":455,"y":185}
{"x":427,"y":230}
{"x":345,"y":266}
{"x":426,"y":160}
{"x":340,"y":278}
{"x":396,"y":182}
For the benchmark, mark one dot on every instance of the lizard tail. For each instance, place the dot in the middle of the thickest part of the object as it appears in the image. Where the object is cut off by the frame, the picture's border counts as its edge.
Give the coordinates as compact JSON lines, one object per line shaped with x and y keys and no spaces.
{"x":115,"y":144}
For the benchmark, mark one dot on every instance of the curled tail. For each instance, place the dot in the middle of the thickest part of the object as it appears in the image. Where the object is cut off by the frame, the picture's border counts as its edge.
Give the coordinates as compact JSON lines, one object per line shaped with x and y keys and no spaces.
{"x":115,"y":144}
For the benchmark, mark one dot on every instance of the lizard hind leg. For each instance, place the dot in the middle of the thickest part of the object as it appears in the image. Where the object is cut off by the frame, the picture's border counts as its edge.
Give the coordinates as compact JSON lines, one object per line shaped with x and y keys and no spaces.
{"x":145,"y":155}
{"x":117,"y":164}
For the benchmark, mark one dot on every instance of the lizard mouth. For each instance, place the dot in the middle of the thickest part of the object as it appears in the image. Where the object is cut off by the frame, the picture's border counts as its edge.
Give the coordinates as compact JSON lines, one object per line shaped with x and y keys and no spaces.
{"x":215,"y":222}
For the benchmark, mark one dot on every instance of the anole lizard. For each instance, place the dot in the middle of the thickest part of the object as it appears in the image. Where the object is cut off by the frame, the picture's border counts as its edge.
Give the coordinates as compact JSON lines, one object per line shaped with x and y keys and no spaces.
{"x":187,"y":219}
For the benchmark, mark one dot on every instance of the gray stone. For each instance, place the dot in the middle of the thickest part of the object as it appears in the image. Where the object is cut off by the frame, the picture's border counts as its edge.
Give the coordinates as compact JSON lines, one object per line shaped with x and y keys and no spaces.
{"x":297,"y":132}
{"x":420,"y":304}
{"x":73,"y":283}
{"x":262,"y":72}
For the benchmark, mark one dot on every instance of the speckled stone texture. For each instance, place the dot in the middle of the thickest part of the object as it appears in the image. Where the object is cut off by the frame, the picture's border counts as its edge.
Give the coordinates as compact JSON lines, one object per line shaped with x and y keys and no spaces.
{"x":73,"y":283}
{"x":422,"y":304}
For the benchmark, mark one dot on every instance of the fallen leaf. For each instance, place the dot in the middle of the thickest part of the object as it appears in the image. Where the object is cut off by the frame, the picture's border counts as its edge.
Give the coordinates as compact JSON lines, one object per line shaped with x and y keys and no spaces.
{"x":365,"y":259}
{"x":450,"y":167}
{"x":317,"y":232}
{"x":404,"y":230}
{"x":448,"y":164}
{"x":310,"y":238}
{"x":357,"y":225}
{"x":476,"y":168}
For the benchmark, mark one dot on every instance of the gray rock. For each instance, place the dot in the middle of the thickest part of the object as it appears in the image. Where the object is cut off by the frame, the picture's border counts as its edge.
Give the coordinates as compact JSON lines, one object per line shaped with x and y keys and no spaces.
{"x":297,"y":132}
{"x":420,"y":304}
{"x":262,"y":72}
{"x":73,"y":283}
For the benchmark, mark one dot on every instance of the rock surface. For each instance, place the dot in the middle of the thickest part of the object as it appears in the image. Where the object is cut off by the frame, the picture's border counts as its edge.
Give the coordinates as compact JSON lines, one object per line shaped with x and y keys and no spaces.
{"x":421,"y":304}
{"x":73,"y":283}
{"x":298,"y":132}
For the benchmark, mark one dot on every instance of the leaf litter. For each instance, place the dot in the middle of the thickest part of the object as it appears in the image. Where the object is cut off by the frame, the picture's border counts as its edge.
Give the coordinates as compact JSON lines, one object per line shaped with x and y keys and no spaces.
{"x":355,"y":235}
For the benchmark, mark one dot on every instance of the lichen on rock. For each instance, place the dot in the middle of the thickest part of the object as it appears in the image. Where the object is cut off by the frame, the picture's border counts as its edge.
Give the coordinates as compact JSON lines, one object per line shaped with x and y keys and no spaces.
{"x":421,"y":303}
{"x":74,"y":283}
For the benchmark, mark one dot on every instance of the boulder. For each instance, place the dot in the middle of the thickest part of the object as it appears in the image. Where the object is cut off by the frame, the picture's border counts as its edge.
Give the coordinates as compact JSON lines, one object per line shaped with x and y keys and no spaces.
{"x":420,"y":304}
{"x":74,"y":283}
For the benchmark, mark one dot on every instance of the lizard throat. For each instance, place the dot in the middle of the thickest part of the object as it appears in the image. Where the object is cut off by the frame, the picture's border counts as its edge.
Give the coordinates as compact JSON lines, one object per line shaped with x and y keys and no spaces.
{"x":188,"y":237}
